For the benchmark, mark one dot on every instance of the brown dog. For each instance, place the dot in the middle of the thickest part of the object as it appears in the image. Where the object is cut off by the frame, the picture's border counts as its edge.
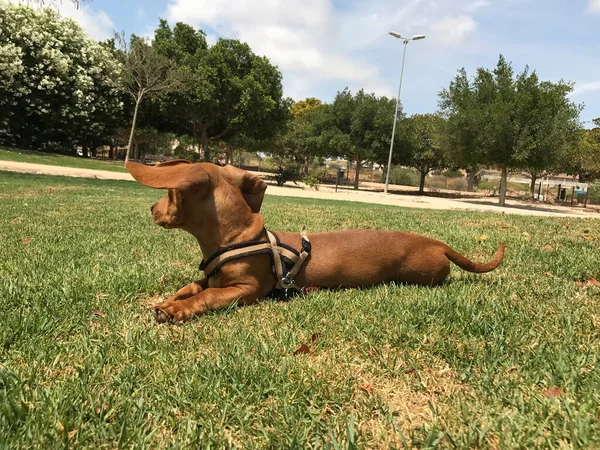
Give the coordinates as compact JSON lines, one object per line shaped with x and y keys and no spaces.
{"x":220,"y":207}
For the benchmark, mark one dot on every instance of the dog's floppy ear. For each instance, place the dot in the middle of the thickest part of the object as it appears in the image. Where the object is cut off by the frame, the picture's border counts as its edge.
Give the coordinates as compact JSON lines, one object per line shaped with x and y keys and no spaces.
{"x":176,"y":174}
{"x":251,"y":186}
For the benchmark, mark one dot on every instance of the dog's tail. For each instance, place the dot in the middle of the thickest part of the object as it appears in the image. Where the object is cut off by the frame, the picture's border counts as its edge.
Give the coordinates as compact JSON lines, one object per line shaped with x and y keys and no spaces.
{"x":470,"y":266}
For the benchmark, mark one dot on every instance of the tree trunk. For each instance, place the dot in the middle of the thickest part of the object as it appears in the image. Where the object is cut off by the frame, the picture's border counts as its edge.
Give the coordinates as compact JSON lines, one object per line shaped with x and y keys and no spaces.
{"x":111,"y":152}
{"x":136,"y":151}
{"x":135,"y":113}
{"x":470,"y":180}
{"x":93,"y":149}
{"x":357,"y":174}
{"x":532,"y":186}
{"x":204,"y":143}
{"x":503,"y":180}
{"x":422,"y":182}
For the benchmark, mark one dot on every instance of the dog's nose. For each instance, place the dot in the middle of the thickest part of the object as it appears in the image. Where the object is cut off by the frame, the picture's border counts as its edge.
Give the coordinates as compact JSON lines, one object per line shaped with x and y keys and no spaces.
{"x":152,"y":208}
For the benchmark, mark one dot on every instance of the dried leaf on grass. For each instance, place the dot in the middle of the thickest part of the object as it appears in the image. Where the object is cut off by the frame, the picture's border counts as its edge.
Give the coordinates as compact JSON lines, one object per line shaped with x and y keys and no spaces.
{"x":589,"y":282}
{"x":593,"y":281}
{"x":303,"y":350}
{"x":548,"y":248}
{"x":553,"y":392}
{"x":314,"y":338}
{"x":483,"y":237}
{"x":367,"y":388}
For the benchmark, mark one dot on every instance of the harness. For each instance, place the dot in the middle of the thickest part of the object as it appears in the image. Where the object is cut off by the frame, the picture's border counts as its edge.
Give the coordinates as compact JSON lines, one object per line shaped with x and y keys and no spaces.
{"x":286,"y":261}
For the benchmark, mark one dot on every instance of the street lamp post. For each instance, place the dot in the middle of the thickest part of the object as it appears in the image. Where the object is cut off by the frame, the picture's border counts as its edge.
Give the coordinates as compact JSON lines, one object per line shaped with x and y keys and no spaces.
{"x":405,"y":40}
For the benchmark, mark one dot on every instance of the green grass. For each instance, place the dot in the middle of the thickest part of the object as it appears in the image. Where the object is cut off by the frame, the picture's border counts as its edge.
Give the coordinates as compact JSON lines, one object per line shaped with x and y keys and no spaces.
{"x":61,"y":160}
{"x":461,"y":365}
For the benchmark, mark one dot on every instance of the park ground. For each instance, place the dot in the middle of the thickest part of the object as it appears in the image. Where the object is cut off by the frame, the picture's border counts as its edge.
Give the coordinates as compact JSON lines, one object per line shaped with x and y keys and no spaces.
{"x":508,"y":359}
{"x":403,"y":196}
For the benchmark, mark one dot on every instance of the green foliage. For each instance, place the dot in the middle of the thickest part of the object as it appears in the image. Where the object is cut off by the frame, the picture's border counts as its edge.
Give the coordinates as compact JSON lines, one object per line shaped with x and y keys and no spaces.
{"x":462,"y":137}
{"x":313,"y":179}
{"x":509,"y":121}
{"x":306,"y":136}
{"x":230,"y":90}
{"x":286,"y":172}
{"x":423,"y":148}
{"x":402,"y":175}
{"x":58,"y":88}
{"x":453,"y":174}
{"x":185,"y":149}
{"x":361,"y":127}
{"x":582,"y":155}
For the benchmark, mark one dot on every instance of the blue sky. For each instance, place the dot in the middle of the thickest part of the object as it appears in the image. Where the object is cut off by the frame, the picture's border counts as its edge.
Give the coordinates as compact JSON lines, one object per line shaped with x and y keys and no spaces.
{"x":322,"y":46}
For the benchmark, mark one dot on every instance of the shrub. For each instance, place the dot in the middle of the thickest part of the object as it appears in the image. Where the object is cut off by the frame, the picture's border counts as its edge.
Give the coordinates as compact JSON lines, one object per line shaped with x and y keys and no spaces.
{"x":399,"y":175}
{"x":313,"y":179}
{"x":287,"y":172}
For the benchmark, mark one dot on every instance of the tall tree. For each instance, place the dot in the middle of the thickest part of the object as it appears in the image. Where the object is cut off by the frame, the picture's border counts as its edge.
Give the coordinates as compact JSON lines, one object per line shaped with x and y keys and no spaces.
{"x":58,"y":88}
{"x":361,"y":127}
{"x":548,"y":126}
{"x":425,"y":151}
{"x":230,"y":90}
{"x":462,"y":139}
{"x":515,"y":118}
{"x":146,"y":73}
{"x":306,"y":134}
{"x":582,"y":155}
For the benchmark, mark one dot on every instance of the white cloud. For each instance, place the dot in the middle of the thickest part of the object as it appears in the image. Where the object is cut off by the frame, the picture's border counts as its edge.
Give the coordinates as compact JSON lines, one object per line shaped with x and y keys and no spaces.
{"x":301,"y":38}
{"x":96,"y":23}
{"x":594,"y":6}
{"x":453,"y":30}
{"x":211,"y":39}
{"x":314,"y":42}
{"x":477,"y":4}
{"x":583,"y":88}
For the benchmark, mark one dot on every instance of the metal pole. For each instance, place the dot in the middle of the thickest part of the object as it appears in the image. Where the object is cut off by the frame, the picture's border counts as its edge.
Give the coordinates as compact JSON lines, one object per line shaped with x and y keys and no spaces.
{"x":387,"y":177}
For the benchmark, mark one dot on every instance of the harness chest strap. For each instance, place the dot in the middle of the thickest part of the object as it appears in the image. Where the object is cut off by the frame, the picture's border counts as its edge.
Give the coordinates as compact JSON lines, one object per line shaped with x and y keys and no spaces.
{"x":284,"y":281}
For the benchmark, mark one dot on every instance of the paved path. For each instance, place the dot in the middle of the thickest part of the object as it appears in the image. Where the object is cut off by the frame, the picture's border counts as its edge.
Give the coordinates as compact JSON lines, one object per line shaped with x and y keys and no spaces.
{"x":327,"y":192}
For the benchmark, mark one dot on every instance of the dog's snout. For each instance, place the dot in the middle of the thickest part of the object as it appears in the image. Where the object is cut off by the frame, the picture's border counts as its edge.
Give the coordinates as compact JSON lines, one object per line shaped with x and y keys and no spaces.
{"x":152,"y":208}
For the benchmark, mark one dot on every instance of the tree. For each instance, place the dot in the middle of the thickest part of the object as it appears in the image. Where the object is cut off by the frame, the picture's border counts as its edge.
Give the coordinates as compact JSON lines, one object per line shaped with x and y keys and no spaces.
{"x":582,"y":155}
{"x":424,"y":151}
{"x":231,"y":91}
{"x":461,"y":134}
{"x":305,"y":136}
{"x":57,"y":87}
{"x":361,"y":127}
{"x":549,"y":126}
{"x":515,"y":116}
{"x":302,"y":106}
{"x":146,"y":73}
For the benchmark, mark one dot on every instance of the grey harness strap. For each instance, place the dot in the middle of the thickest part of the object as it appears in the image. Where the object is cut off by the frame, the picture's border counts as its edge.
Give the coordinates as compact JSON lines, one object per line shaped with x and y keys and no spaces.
{"x":278,"y":252}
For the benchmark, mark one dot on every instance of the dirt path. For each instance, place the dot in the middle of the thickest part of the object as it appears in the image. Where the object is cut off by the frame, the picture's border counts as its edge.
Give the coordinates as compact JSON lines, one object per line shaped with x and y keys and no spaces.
{"x":328,"y":192}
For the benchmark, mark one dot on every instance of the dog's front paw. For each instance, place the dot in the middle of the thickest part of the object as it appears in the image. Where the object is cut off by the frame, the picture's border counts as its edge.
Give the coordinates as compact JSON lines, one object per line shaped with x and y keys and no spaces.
{"x":171,"y":312}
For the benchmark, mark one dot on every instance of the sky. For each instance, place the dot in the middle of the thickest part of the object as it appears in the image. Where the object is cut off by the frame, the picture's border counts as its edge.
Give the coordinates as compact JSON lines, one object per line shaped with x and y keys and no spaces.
{"x":323,"y":46}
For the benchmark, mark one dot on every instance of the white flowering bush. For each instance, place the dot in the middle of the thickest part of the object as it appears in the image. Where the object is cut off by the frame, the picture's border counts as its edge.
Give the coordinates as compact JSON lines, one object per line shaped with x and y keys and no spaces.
{"x":58,"y":88}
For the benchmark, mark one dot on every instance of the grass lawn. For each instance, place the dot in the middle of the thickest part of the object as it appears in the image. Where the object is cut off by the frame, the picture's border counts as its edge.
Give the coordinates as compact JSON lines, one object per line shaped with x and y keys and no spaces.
{"x":62,"y":160}
{"x":468,"y":364}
